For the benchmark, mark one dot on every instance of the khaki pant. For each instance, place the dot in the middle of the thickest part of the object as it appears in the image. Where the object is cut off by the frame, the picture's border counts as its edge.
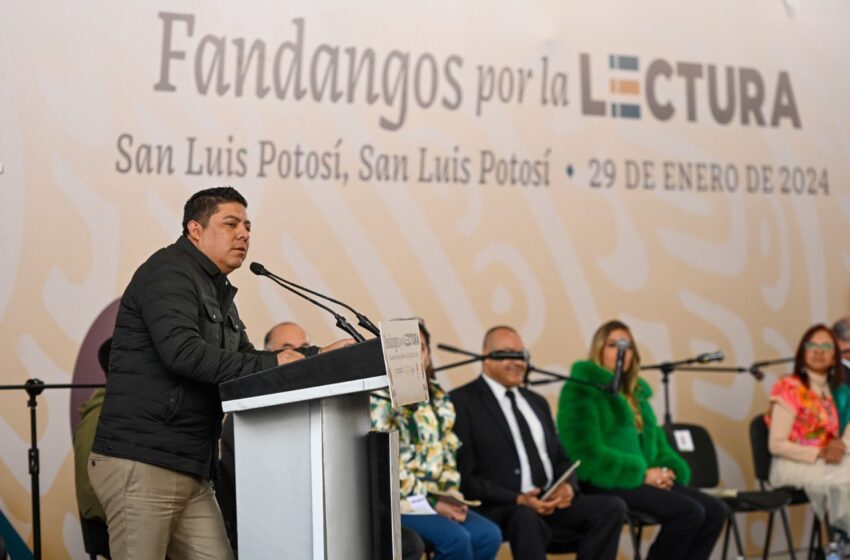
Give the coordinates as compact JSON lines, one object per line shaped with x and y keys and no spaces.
{"x":153,"y":512}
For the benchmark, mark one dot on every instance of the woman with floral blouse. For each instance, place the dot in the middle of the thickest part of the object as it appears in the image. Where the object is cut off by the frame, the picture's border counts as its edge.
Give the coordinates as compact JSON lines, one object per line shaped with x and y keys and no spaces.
{"x":806,"y":428}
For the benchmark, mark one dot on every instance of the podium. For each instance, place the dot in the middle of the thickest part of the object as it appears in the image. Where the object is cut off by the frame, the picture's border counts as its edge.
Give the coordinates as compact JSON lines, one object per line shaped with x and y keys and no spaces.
{"x":302,"y":470}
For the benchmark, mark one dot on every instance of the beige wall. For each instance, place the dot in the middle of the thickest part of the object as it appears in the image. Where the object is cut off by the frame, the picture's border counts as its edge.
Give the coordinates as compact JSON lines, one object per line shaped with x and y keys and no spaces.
{"x":690,"y":271}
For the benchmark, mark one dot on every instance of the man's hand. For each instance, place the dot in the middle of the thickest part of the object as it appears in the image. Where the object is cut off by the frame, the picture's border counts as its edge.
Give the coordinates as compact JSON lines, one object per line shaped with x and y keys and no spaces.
{"x":288,"y":356}
{"x":563,"y":496}
{"x":834,"y":451}
{"x":530,"y":499}
{"x":338,"y":344}
{"x":660,"y":477}
{"x":455,"y":512}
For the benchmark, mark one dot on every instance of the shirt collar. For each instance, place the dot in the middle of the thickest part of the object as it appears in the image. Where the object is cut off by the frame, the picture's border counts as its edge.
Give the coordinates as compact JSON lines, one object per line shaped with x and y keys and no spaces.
{"x":499,"y":390}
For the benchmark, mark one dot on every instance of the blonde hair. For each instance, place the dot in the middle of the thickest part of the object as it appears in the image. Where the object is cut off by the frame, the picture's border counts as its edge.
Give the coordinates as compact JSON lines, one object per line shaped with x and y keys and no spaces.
{"x":630,"y":375}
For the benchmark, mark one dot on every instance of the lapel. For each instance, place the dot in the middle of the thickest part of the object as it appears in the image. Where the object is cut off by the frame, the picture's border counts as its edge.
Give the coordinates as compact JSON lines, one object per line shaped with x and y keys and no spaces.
{"x":488,"y":399}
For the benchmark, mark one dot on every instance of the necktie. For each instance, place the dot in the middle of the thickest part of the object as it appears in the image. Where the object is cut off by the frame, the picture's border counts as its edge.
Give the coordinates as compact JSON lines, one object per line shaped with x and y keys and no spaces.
{"x":538,"y":473}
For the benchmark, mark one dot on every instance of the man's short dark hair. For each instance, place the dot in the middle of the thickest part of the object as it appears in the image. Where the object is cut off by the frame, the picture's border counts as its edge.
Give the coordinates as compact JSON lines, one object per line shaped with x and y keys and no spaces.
{"x":492,"y":330}
{"x":268,"y":337}
{"x":842,"y":329}
{"x":204,"y":204}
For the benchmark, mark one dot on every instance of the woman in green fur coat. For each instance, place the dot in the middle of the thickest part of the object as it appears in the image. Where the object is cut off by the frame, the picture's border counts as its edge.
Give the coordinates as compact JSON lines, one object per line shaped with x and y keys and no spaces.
{"x":625,"y":453}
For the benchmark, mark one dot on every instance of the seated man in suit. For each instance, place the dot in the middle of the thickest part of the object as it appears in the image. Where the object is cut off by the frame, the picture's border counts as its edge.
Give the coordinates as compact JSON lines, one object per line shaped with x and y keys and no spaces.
{"x":511,"y":453}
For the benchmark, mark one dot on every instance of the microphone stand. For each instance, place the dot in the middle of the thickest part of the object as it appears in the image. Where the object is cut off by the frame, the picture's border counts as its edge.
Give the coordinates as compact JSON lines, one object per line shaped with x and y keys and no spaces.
{"x":34,"y":387}
{"x":362,"y":320}
{"x":554,"y":376}
{"x":666,"y":368}
{"x":473,"y":357}
{"x":766,"y":363}
{"x":341,"y":322}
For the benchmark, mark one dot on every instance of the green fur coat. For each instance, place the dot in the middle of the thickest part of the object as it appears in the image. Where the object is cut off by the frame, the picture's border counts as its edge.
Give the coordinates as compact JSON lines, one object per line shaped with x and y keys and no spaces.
{"x":599,"y":429}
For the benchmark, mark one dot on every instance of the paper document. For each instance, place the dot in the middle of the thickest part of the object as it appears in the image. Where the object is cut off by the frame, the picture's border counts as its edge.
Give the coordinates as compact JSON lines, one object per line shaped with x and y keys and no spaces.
{"x":416,"y":505}
{"x":403,"y":356}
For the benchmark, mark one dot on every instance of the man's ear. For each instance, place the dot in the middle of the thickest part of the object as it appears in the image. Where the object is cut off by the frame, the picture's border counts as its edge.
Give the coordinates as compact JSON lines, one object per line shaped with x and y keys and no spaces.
{"x":194,"y":228}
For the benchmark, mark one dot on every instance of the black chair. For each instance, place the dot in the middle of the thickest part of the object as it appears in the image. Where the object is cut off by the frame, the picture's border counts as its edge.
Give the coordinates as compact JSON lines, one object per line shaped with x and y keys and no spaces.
{"x":95,"y":538}
{"x":637,"y":522}
{"x":761,"y":463}
{"x":702,"y":458}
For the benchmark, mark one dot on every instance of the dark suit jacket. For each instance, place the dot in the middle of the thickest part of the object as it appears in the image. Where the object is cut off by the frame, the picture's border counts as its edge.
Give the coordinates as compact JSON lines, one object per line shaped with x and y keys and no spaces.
{"x":487,"y":459}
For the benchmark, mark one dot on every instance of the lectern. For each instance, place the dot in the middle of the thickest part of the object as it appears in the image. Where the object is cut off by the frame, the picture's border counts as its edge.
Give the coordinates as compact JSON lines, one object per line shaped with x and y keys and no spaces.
{"x":302,"y":468}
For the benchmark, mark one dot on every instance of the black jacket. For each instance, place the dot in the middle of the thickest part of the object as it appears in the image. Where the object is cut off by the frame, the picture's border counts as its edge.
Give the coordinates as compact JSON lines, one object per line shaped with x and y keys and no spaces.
{"x":177,"y":336}
{"x":487,"y":459}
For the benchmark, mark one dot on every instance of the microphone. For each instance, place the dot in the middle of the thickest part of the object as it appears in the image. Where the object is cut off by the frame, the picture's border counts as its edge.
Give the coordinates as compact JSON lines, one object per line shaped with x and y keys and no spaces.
{"x":617,"y":381}
{"x":494,"y":355}
{"x":756,"y":372}
{"x":508,"y":355}
{"x":341,"y":322}
{"x":711,"y":357}
{"x":362,"y":320}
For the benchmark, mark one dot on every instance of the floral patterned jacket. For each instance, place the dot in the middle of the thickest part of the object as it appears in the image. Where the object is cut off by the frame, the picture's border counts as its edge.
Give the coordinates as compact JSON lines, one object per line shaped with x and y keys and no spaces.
{"x":427,"y":444}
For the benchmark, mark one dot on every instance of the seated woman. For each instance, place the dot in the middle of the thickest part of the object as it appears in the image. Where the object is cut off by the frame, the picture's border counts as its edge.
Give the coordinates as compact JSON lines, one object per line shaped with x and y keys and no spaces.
{"x":625,"y":453}
{"x":808,"y":414}
{"x":428,"y":467}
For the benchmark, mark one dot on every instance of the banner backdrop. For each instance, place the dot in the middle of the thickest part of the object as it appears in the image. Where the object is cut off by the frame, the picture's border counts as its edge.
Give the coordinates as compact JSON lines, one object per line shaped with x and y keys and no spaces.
{"x":548,"y":165}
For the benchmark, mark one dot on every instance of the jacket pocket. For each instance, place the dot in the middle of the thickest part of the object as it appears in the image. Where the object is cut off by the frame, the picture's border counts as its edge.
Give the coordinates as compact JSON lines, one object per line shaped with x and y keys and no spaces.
{"x":175,"y":401}
{"x":233,"y":331}
{"x":213,"y":323}
{"x":213,"y":312}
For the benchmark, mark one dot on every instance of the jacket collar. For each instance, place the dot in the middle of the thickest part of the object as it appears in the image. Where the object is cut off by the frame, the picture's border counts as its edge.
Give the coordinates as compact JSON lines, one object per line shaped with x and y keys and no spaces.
{"x":187,"y":246}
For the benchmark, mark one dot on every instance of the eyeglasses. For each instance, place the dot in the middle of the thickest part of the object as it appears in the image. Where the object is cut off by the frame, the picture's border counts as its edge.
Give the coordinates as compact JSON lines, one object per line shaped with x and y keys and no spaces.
{"x":825,"y":346}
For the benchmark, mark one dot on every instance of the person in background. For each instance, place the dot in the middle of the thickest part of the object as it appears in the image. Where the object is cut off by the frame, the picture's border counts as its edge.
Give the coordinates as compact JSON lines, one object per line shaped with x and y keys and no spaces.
{"x":624,"y":453}
{"x":808,"y":438}
{"x":510,"y":454}
{"x":841,"y":328}
{"x":286,"y":336}
{"x":87,"y":502}
{"x":428,"y":467}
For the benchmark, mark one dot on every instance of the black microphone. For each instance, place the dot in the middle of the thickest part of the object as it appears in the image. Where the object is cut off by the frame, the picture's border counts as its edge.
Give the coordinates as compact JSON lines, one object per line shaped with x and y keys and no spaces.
{"x":508,"y":355}
{"x":711,"y":357}
{"x":617,"y":381}
{"x":756,"y":372}
{"x":341,"y":322}
{"x":362,"y":320}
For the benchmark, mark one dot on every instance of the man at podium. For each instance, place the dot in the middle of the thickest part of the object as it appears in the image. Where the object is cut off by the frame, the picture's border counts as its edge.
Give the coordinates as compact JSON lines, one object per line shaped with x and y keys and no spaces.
{"x":177,"y":336}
